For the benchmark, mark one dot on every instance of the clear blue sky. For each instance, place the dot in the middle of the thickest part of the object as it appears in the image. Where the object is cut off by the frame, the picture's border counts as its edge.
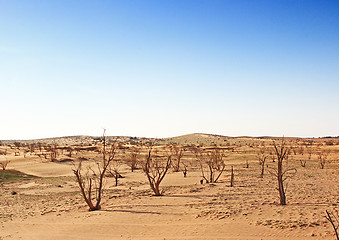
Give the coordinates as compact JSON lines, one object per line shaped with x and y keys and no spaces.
{"x":166,"y":68}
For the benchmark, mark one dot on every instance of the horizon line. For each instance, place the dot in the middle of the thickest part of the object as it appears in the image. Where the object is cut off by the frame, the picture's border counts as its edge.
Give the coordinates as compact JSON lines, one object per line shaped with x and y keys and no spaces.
{"x":212,"y":134}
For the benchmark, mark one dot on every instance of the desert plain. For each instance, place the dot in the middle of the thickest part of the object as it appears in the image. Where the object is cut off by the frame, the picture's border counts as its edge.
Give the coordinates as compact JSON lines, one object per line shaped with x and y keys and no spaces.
{"x":40,"y":197}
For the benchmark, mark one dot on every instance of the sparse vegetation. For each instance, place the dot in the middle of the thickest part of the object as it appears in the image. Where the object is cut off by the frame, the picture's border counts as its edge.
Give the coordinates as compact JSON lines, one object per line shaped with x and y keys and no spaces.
{"x":262,"y":156}
{"x":239,"y":191}
{"x":7,"y":176}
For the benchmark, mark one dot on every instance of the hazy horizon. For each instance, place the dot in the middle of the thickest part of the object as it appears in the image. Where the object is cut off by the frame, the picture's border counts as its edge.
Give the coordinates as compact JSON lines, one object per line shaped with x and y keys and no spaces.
{"x":168,"y":136}
{"x":168,"y":68}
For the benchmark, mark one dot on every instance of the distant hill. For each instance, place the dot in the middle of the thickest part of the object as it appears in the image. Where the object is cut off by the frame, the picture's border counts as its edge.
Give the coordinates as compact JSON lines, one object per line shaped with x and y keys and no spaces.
{"x":194,"y":138}
{"x":213,"y":139}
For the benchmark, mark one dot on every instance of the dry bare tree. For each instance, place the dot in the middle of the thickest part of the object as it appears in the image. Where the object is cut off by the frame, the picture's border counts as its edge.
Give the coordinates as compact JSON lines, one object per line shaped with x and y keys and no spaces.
{"x":262,"y":156}
{"x":92,"y":181}
{"x":322,"y":157}
{"x":177,"y":152}
{"x":213,"y":160}
{"x":309,"y":152}
{"x":4,"y":164}
{"x":334,"y":220}
{"x":302,"y":160}
{"x":282,"y":173}
{"x":132,"y":161}
{"x":114,"y":171}
{"x":156,"y":166}
{"x":70,"y":151}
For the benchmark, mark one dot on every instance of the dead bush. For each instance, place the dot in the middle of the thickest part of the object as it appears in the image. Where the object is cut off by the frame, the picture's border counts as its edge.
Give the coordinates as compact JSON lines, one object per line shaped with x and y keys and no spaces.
{"x":211,"y":162}
{"x":4,"y":164}
{"x":92,"y":180}
{"x":156,"y":167}
{"x":262,"y":156}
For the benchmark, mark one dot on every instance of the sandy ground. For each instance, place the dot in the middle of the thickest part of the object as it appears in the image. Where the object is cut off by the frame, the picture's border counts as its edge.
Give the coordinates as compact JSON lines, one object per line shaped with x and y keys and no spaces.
{"x":51,"y":207}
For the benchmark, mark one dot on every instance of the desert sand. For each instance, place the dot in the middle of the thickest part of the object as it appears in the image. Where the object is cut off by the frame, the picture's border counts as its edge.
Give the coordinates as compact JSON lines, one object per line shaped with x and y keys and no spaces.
{"x":50,"y":206}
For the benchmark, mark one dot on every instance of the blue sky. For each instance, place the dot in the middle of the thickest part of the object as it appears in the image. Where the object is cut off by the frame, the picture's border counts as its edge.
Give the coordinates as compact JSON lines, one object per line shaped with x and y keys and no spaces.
{"x":166,"y":68}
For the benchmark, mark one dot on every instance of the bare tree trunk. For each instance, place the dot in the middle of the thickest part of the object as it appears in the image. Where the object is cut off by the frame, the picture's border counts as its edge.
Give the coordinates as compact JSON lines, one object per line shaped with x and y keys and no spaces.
{"x":232,"y":176}
{"x":281,"y":190}
{"x":116,"y":180}
{"x":262,"y":170}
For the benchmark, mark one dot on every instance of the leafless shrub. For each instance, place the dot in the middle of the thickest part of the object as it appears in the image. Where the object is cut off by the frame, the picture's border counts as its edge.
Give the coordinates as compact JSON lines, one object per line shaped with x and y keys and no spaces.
{"x":213,"y":160}
{"x":132,"y":161}
{"x":114,"y":171}
{"x":262,"y":156}
{"x":301,"y":152}
{"x":70,"y":151}
{"x":333,"y":218}
{"x":282,"y":153}
{"x":177,"y":153}
{"x":322,"y":157}
{"x":309,"y":152}
{"x":4,"y":164}
{"x":155,"y":168}
{"x":90,"y":180}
